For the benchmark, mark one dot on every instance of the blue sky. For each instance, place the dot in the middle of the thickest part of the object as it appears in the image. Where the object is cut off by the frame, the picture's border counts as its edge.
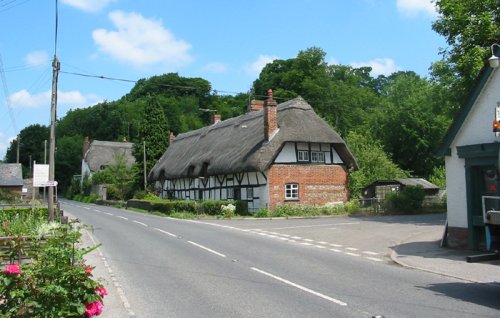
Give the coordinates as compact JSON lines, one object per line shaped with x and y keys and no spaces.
{"x":225,"y":42}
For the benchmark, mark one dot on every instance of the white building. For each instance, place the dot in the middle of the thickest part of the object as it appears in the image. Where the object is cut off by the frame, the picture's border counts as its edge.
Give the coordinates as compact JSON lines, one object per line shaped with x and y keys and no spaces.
{"x":471,"y":151}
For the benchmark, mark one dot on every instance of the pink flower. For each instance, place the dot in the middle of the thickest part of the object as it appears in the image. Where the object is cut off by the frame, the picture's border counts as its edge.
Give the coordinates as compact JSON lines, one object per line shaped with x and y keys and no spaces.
{"x":101,"y":291}
{"x":12,"y":269}
{"x":88,"y":269}
{"x":93,"y":309}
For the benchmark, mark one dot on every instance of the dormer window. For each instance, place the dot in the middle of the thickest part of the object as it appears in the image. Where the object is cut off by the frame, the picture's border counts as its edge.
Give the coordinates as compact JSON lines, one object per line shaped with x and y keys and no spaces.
{"x":317,"y":156}
{"x":303,"y":155}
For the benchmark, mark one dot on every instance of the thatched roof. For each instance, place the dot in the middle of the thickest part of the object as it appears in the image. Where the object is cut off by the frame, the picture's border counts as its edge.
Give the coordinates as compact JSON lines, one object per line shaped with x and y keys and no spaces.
{"x":11,"y":175}
{"x":102,"y":153}
{"x":238,"y":145}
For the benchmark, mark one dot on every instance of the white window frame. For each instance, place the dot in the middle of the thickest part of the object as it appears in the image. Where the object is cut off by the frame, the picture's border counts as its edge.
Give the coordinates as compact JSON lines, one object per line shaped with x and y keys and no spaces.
{"x":303,"y":155}
{"x":249,"y":193}
{"x":230,"y":193}
{"x":291,"y":191}
{"x":317,"y":156}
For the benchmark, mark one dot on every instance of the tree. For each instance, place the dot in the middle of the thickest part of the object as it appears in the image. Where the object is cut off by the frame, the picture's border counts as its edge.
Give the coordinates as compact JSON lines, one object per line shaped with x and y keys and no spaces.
{"x":116,"y":174}
{"x":68,"y":161}
{"x":153,"y":134}
{"x":411,"y":124}
{"x":374,"y":164}
{"x":470,"y":28}
{"x":32,"y":147}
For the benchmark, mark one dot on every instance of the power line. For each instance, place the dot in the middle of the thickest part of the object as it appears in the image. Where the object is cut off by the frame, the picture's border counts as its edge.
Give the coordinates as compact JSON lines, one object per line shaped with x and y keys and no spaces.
{"x":7,"y":98}
{"x":100,"y":77}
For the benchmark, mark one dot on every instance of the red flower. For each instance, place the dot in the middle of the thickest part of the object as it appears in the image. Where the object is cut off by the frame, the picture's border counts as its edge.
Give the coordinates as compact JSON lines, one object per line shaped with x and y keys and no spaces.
{"x":93,"y":309}
{"x":12,"y":269}
{"x":88,"y":269}
{"x":101,"y":291}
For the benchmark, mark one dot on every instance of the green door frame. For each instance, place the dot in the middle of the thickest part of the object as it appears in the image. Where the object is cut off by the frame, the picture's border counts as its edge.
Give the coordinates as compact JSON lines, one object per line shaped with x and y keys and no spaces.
{"x":477,"y":157}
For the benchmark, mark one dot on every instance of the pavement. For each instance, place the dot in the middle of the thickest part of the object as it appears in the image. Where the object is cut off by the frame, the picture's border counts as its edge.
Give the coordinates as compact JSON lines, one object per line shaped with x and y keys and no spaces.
{"x":420,"y":250}
{"x":423,"y":252}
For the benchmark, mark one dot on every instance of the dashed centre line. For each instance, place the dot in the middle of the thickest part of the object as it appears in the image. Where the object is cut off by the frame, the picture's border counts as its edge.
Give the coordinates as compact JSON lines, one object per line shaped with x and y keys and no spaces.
{"x":143,"y":224}
{"x":206,"y":249}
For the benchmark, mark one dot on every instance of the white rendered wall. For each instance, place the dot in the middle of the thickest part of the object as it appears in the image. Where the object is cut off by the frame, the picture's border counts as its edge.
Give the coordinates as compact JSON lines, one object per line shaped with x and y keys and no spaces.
{"x":476,"y":129}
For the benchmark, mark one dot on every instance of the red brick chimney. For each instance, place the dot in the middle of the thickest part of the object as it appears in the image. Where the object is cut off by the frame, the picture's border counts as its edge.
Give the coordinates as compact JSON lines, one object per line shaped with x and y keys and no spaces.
{"x":270,"y":116}
{"x":86,"y":146}
{"x":171,"y":138}
{"x":255,"y":105}
{"x":216,"y":118}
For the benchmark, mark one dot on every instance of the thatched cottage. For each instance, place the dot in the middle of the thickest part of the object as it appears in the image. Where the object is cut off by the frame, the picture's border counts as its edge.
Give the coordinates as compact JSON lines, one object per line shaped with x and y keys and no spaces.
{"x":97,"y":155}
{"x":272,"y":155}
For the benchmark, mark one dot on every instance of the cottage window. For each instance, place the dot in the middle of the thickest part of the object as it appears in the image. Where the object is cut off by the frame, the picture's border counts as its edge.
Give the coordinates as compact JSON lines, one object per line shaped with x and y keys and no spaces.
{"x":291,"y":191}
{"x":230,"y":193}
{"x":249,"y":193}
{"x":317,"y":156}
{"x":303,"y":155}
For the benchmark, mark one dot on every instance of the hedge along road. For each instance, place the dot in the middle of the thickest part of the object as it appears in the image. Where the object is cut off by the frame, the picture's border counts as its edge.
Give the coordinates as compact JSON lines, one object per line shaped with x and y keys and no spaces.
{"x":191,"y":268}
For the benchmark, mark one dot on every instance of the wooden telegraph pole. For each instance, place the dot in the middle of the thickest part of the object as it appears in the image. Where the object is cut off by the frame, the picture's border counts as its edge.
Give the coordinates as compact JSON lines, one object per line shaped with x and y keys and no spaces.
{"x":52,"y":142}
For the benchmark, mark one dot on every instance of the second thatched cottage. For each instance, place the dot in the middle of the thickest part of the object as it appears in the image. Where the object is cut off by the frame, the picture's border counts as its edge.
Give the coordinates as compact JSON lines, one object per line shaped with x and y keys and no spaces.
{"x":272,"y":155}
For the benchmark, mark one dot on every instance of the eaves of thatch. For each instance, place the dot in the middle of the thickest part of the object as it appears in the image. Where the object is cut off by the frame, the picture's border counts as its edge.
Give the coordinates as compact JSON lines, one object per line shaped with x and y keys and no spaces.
{"x":103,"y":153}
{"x":238,"y":144}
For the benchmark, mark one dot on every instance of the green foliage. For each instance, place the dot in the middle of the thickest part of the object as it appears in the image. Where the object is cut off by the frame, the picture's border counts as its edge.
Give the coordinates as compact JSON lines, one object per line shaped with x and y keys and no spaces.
{"x":68,"y":159}
{"x":205,"y":207}
{"x":32,"y":146}
{"x":408,"y":201}
{"x":56,"y":283}
{"x":7,"y":196}
{"x":289,"y":210}
{"x":374,"y":163}
{"x":438,"y":176}
{"x":118,"y":177}
{"x":22,"y":221}
{"x":470,"y":28}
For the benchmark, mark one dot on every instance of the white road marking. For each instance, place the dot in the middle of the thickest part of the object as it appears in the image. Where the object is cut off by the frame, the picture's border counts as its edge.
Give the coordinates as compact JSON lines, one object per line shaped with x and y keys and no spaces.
{"x":319,"y":246}
{"x":336,"y":245}
{"x":370,"y":253}
{"x":95,"y":210}
{"x":122,"y":217}
{"x":165,"y":232}
{"x":315,"y":225}
{"x":352,"y":249}
{"x":315,"y":293}
{"x":206,"y":249}
{"x":322,"y":242}
{"x":374,"y":259}
{"x":86,"y":208}
{"x":352,"y":254}
{"x":108,"y":213}
{"x":143,"y":224}
{"x":335,"y":250}
{"x":306,"y":244}
{"x":308,"y":240}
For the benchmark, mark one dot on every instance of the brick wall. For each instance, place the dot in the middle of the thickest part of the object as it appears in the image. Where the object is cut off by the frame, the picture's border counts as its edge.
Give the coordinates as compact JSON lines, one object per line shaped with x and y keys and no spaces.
{"x":318,"y":184}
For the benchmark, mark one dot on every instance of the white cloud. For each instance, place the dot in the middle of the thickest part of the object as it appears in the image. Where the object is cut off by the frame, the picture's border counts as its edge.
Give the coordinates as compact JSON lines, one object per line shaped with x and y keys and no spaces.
{"x":24,"y":99}
{"x":215,"y":67}
{"x":258,"y":65}
{"x":414,"y":7}
{"x":333,"y":61}
{"x":37,"y":58}
{"x":142,"y":42}
{"x":384,"y":66}
{"x":88,"y":5}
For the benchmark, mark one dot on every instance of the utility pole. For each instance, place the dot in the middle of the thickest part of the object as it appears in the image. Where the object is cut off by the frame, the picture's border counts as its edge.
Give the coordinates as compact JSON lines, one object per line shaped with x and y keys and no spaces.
{"x":144,"y":159}
{"x":52,"y":144}
{"x":18,"y":142}
{"x":44,"y":162}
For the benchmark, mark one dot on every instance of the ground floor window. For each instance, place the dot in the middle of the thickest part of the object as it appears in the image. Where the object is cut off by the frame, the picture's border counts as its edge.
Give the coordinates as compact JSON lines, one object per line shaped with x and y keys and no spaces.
{"x":291,"y":191}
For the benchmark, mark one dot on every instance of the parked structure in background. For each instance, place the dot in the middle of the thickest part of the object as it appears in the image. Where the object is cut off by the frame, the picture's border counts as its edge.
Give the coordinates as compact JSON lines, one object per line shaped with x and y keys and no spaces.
{"x":471,"y":149}
{"x":272,"y":155}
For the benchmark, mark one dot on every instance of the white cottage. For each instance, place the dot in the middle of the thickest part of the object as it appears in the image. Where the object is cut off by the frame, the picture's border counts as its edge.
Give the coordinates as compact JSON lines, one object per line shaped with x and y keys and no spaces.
{"x":471,"y":151}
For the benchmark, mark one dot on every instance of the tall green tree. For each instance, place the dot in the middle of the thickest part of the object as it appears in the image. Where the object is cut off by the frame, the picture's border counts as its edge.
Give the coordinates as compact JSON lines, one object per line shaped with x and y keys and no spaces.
{"x":68,"y":159}
{"x":411,"y":124}
{"x":32,"y":146}
{"x":374,"y":163}
{"x":153,"y":136}
{"x":470,"y":28}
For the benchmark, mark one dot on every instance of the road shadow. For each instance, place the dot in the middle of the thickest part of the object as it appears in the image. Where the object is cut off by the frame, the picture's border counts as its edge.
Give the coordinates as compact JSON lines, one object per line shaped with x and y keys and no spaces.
{"x":486,"y":295}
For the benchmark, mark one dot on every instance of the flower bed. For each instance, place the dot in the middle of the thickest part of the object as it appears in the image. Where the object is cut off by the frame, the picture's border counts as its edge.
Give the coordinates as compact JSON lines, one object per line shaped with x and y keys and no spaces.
{"x":53,"y":281}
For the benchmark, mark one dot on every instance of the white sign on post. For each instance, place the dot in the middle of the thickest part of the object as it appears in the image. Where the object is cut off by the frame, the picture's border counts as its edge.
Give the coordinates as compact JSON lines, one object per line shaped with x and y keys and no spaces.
{"x":41,"y":175}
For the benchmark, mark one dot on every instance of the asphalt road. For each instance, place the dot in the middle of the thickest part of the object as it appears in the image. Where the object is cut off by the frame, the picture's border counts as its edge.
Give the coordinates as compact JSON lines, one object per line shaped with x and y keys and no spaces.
{"x":328,"y":267}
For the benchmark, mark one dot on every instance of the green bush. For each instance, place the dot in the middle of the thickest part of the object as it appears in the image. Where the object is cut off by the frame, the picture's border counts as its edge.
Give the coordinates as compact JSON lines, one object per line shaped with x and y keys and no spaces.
{"x":262,"y":213}
{"x":205,"y":207}
{"x":21,"y":221}
{"x":55,"y":283}
{"x":408,"y":201}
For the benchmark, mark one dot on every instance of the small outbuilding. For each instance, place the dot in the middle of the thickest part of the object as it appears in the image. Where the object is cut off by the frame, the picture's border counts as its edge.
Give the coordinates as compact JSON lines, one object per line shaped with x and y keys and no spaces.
{"x":11,"y":177}
{"x":380,"y":188}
